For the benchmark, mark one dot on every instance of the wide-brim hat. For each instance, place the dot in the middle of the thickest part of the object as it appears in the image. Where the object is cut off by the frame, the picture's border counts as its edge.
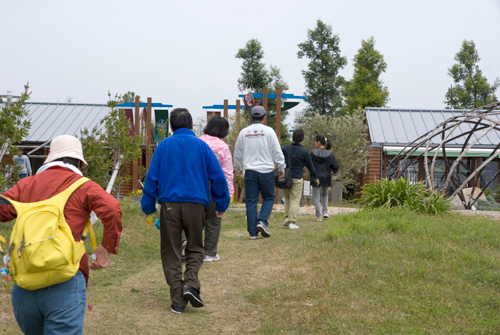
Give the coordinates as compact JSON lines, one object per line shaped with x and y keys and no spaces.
{"x":65,"y":146}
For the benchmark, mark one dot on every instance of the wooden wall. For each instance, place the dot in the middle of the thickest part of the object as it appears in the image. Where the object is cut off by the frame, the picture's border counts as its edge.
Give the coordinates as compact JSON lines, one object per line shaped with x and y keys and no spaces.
{"x":373,"y":167}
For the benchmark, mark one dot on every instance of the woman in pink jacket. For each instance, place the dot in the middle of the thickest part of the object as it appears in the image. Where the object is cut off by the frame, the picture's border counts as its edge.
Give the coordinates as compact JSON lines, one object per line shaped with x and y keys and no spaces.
{"x":215,"y":130}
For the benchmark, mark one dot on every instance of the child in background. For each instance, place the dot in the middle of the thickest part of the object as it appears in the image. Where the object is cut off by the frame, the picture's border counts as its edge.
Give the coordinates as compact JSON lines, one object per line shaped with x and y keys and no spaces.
{"x":325,"y":163}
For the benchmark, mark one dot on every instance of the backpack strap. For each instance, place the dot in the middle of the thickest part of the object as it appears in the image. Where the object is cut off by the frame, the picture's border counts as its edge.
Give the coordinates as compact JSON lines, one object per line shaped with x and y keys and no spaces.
{"x":2,"y":239}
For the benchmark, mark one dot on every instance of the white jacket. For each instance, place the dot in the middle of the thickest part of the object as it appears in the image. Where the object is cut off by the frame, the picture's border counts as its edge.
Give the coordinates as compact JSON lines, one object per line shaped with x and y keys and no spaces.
{"x":257,"y":148}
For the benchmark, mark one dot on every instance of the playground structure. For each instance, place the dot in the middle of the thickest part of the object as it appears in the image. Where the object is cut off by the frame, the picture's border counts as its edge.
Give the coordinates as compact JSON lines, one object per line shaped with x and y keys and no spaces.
{"x":142,"y":125}
{"x":265,"y":96}
{"x":457,"y":137}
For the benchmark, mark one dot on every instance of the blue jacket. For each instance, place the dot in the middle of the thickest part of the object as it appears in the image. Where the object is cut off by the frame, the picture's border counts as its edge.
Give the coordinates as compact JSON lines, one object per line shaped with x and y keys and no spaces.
{"x":180,"y":171}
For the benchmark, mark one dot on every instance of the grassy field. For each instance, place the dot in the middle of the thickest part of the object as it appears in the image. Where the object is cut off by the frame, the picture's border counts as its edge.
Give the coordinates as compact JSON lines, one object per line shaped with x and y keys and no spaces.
{"x":380,"y":272}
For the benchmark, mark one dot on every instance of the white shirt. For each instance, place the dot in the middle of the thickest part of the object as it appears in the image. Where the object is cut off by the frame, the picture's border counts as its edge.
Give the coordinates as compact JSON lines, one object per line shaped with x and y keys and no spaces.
{"x":257,"y":148}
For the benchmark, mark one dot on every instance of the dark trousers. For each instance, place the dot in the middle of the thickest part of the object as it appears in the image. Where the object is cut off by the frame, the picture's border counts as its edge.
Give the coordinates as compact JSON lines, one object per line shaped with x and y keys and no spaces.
{"x":176,"y":217}
{"x":212,"y":230}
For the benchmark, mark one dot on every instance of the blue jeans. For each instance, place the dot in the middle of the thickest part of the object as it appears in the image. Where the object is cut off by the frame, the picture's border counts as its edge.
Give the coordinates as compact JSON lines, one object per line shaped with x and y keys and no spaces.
{"x":57,"y":309}
{"x":256,"y":182}
{"x":22,"y":175}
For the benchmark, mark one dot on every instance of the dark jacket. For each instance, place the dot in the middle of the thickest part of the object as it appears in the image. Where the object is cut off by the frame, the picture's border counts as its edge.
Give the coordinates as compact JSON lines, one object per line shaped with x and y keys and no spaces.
{"x":325,"y":163}
{"x":300,"y":158}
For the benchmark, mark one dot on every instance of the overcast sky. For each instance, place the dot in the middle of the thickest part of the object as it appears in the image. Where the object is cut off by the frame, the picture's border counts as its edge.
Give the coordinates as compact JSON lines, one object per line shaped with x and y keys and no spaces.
{"x":182,"y":52}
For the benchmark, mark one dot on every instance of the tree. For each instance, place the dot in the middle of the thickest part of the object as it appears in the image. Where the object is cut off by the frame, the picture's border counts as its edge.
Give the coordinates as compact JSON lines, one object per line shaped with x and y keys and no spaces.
{"x":254,"y":75}
{"x":323,"y":82}
{"x":365,"y":89}
{"x":471,"y":88}
{"x":128,"y":97}
{"x":14,"y":126}
{"x":106,"y":142}
{"x":349,"y":143}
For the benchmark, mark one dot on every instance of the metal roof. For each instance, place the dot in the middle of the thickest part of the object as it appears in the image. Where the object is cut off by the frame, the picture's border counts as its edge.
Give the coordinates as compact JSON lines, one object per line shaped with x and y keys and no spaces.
{"x":49,"y":120}
{"x":400,"y":127}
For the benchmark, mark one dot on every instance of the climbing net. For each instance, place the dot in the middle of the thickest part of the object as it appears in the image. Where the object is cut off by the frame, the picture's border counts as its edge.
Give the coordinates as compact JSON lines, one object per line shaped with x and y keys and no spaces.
{"x":478,"y":123}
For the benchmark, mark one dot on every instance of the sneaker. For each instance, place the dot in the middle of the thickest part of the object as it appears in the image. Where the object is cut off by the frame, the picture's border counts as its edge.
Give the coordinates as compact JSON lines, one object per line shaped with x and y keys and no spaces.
{"x":177,"y":309}
{"x":262,"y":228}
{"x":192,"y":295}
{"x":319,"y":218}
{"x":256,"y":237}
{"x":293,"y":226}
{"x":325,"y":215}
{"x":287,"y":222}
{"x":208,"y":258}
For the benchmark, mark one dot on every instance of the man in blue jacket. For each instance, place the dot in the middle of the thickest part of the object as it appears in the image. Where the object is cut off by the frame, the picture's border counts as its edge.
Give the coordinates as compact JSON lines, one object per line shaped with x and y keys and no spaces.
{"x":179,"y":174}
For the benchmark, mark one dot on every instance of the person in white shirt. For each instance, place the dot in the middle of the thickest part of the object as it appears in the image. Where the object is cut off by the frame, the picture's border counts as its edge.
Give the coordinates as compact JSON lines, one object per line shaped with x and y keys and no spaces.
{"x":256,"y":151}
{"x":24,"y":162}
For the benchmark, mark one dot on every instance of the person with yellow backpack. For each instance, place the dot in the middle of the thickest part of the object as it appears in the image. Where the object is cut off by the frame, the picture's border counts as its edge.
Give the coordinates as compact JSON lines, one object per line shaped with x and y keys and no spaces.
{"x":45,"y":255}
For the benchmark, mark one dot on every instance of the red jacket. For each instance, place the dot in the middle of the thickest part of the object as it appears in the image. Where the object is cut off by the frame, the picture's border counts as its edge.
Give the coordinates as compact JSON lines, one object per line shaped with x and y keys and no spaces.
{"x":88,"y":197}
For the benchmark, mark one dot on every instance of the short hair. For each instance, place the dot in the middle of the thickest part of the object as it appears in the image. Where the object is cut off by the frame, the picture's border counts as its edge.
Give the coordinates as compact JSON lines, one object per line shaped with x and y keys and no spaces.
{"x":217,"y":126}
{"x":69,"y":160}
{"x":257,"y":118}
{"x":298,"y":135}
{"x":180,"y":118}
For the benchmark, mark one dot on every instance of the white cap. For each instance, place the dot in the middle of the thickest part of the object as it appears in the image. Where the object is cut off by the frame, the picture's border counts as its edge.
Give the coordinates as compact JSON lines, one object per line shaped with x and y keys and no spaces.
{"x":66,"y":146}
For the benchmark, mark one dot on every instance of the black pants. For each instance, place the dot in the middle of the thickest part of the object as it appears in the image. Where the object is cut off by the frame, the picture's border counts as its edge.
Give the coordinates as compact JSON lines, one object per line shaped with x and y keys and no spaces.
{"x":176,"y":217}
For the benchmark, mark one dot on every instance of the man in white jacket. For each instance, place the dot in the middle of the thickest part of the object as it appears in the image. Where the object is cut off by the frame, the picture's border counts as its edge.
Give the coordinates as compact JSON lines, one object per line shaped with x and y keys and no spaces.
{"x":256,"y":151}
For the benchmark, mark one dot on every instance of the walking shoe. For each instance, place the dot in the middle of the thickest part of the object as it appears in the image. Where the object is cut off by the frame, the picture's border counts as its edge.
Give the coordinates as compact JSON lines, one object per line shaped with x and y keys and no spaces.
{"x":256,"y":237}
{"x":262,"y":228}
{"x":177,"y":309}
{"x":208,"y":258}
{"x":325,"y":215}
{"x":192,"y":295}
{"x":319,"y":218}
{"x":293,"y":226}
{"x":287,"y":222}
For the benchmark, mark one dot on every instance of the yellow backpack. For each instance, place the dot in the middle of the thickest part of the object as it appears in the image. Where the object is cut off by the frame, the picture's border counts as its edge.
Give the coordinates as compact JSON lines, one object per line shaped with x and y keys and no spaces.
{"x":42,"y":249}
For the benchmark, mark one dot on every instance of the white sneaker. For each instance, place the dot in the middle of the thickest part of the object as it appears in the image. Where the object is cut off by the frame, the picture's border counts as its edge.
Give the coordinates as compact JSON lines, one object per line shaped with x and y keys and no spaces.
{"x":293,"y":226}
{"x":287,"y":222}
{"x":208,"y":258}
{"x":325,"y":215}
{"x":319,"y":218}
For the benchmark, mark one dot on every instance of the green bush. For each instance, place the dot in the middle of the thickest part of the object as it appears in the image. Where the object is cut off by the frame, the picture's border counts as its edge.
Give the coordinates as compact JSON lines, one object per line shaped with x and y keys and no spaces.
{"x":387,"y":193}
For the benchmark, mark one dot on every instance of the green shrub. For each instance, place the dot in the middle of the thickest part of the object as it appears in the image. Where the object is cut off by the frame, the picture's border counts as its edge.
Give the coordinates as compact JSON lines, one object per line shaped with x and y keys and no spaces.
{"x":387,"y":193}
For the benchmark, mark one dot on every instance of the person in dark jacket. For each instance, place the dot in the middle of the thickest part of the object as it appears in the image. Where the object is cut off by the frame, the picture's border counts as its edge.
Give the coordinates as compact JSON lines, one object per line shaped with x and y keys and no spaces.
{"x":299,"y":158}
{"x":325,"y":163}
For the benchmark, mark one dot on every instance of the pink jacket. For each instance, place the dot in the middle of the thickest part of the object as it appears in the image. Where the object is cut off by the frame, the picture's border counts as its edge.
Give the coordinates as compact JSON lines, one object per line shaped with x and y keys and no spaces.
{"x":223,"y":154}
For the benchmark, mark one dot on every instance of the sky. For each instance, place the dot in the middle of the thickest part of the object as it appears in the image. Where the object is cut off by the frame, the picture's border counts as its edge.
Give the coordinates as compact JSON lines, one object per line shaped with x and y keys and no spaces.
{"x":182,"y":52}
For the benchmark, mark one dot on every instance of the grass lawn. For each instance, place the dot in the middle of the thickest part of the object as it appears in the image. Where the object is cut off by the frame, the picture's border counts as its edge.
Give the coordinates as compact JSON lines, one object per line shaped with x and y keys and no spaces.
{"x":380,"y":272}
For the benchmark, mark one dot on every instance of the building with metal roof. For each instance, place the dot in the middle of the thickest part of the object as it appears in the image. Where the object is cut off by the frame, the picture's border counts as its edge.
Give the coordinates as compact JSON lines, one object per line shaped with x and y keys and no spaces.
{"x":392,"y":131}
{"x":49,"y":120}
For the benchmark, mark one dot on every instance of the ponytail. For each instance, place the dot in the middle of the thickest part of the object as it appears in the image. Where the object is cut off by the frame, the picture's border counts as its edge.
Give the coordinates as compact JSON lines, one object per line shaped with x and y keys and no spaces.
{"x":324,"y":141}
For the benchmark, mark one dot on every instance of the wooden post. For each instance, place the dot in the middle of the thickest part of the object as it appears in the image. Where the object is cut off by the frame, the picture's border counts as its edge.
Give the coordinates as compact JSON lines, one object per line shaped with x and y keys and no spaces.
{"x":235,"y":196}
{"x":264,"y":102}
{"x":226,"y":109}
{"x":137,"y":129}
{"x":421,"y":169}
{"x":148,"y":133}
{"x":278,"y":113}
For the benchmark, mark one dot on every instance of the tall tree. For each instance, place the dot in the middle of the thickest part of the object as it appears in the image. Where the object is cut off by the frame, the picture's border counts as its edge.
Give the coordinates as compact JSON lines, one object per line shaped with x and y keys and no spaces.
{"x":323,"y":83}
{"x":365,"y":89}
{"x":471,"y":88}
{"x":254,"y":75}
